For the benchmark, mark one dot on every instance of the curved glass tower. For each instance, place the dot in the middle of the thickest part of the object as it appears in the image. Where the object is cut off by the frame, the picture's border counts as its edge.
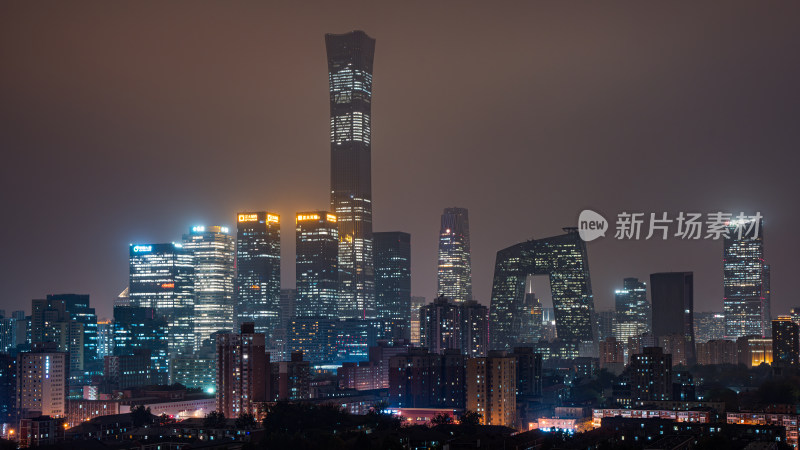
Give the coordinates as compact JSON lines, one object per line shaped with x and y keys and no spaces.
{"x":350,"y":59}
{"x":564,"y":259}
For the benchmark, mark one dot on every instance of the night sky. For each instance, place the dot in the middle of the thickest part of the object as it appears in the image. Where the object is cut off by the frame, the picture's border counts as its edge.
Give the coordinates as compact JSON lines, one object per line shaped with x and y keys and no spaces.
{"x":127,"y":122}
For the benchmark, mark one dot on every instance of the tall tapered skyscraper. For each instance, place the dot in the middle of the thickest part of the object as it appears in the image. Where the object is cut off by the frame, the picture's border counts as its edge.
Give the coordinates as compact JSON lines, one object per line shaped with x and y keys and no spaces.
{"x":350,"y":59}
{"x":455,"y":266}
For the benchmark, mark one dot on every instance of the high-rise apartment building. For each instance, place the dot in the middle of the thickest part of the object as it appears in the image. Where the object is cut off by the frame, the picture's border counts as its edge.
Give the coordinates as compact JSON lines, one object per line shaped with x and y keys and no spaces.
{"x":162,"y":278}
{"x":350,"y":58}
{"x":42,"y":383}
{"x":243,"y":372}
{"x":673,"y":307}
{"x":492,"y":388}
{"x":649,"y":375}
{"x":459,"y":326}
{"x":745,"y":281}
{"x":393,"y":274}
{"x":317,"y":267}
{"x":455,"y":262}
{"x":213,"y":250}
{"x":258,"y":271}
{"x":785,"y":342}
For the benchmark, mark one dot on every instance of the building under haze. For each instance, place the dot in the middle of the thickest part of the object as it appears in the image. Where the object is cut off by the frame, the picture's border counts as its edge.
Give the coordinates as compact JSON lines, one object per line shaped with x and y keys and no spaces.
{"x":350,"y":58}
{"x":258,"y":271}
{"x":673,"y":308}
{"x":213,"y":249}
{"x":317,"y":268}
{"x":746,"y":282}
{"x":709,"y":326}
{"x":455,"y":263}
{"x":393,"y":274}
{"x":162,"y":278}
{"x":564,"y":259}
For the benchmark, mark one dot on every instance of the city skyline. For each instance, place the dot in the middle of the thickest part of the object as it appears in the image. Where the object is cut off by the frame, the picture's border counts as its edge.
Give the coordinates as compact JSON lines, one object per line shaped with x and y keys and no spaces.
{"x":103,"y":233}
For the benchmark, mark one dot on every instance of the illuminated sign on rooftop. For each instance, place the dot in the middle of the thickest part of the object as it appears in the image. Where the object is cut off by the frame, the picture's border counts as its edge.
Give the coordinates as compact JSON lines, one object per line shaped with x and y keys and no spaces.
{"x":248,"y":217}
{"x":304,"y":217}
{"x":273,"y":218}
{"x":142,"y":248}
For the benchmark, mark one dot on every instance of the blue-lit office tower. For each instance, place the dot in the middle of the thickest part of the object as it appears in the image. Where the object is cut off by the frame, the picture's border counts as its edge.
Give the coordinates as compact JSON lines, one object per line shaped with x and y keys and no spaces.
{"x":673,"y":308}
{"x":455,"y":262}
{"x":745,"y":283}
{"x":213,"y":249}
{"x":258,"y":271}
{"x":393,"y":275}
{"x":138,"y":328}
{"x":564,"y":259}
{"x":162,"y":278}
{"x":317,"y":272}
{"x":69,"y":322}
{"x":350,"y":58}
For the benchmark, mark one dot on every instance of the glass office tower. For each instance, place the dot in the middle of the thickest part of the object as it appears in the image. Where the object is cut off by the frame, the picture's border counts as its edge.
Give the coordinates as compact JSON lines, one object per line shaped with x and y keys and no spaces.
{"x":455,"y":265}
{"x":213,"y":250}
{"x":162,"y":278}
{"x":350,"y":58}
{"x":258,"y":271}
{"x":317,"y":265}
{"x":564,"y":259}
{"x":393,"y":275}
{"x":745,"y":283}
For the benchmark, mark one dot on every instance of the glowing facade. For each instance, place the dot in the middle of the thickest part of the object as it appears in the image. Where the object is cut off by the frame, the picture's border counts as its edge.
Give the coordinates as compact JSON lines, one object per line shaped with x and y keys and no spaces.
{"x":162,"y":278}
{"x":317,"y":268}
{"x":631,"y":304}
{"x":746,"y":284}
{"x":350,"y":58}
{"x":213,"y":250}
{"x":258,"y":271}
{"x":455,"y":265}
{"x":564,"y":259}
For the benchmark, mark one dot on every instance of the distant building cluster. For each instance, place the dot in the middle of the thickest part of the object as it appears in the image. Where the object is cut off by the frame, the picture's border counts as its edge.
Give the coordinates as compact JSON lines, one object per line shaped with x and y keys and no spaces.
{"x":205,"y":325}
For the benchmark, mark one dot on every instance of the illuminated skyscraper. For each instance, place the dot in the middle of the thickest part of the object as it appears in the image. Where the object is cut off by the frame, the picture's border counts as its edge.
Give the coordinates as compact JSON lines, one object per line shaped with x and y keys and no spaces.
{"x":258,"y":271}
{"x":393,"y":275}
{"x":138,"y":329}
{"x":746,"y":283}
{"x":350,"y":58}
{"x":455,"y":266}
{"x":564,"y":259}
{"x":673,"y":308}
{"x":317,"y":265}
{"x":416,"y":304}
{"x":162,"y":278}
{"x":213,"y":250}
{"x":631,"y":303}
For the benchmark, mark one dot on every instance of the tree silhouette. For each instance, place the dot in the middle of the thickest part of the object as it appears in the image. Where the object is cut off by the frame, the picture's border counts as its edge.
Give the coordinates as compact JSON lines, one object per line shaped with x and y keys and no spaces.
{"x":442,"y":419}
{"x":245,"y":421}
{"x":471,"y":418}
{"x":215,"y":419}
{"x":141,"y":416}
